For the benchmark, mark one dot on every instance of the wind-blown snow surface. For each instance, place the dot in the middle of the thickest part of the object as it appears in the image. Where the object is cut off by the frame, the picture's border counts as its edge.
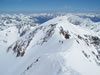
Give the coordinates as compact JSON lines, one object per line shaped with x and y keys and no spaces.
{"x":65,"y":45}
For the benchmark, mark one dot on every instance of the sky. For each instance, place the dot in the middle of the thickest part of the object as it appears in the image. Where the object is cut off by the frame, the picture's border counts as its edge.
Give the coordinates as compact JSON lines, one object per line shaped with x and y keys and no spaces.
{"x":50,"y":5}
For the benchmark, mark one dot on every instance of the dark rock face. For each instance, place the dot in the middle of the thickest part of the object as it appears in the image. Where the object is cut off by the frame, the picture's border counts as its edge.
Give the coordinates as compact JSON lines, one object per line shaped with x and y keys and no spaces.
{"x":48,"y":33}
{"x":20,"y":46}
{"x":64,"y":33}
{"x":94,"y":41}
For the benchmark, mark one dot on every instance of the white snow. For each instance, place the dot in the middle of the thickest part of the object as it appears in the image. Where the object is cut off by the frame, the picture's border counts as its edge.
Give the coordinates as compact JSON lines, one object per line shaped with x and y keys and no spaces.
{"x":49,"y":52}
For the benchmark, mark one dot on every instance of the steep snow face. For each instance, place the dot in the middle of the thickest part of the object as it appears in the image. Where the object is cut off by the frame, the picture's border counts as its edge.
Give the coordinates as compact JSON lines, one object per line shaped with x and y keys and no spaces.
{"x":56,"y":47}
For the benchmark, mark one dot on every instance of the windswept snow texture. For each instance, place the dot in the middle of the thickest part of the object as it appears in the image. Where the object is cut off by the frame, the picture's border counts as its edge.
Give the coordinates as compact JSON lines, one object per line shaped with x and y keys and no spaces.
{"x":48,"y":44}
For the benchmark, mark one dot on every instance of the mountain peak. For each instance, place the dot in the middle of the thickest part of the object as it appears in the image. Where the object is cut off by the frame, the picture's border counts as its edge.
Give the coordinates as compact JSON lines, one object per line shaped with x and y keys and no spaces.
{"x":59,"y":46}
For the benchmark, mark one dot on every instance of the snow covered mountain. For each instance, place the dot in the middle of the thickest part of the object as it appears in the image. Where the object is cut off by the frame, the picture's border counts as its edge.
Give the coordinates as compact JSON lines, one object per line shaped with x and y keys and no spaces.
{"x":64,"y":45}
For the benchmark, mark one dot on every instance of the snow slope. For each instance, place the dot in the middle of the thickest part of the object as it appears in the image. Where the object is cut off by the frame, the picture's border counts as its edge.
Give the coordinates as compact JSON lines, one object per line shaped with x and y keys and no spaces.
{"x":90,"y":21}
{"x":56,"y":47}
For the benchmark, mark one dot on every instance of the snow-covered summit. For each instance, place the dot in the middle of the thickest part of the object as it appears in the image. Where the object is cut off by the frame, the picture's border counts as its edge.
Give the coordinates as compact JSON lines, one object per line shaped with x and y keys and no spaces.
{"x":56,"y":47}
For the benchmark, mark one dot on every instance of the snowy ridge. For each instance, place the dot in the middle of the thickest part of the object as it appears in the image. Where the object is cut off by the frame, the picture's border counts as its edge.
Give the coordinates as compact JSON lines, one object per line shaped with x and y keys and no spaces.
{"x":56,"y":47}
